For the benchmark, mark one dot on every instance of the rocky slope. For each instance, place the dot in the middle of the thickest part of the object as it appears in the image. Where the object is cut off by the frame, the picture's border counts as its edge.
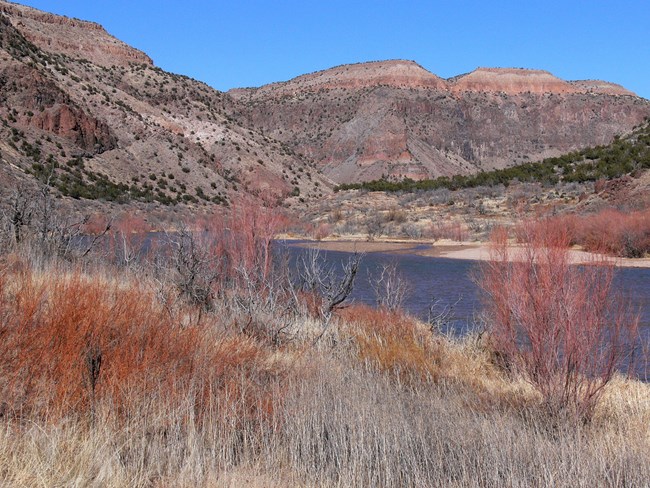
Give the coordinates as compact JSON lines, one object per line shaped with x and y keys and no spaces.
{"x":395,"y":118}
{"x":72,"y":37}
{"x":96,"y":119}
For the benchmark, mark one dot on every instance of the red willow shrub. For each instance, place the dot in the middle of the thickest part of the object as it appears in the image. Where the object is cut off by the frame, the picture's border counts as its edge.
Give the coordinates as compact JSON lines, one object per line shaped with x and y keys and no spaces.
{"x":454,"y":231}
{"x":241,"y":243}
{"x":251,"y":228}
{"x":69,"y":341}
{"x":624,"y":234}
{"x":615,"y":232}
{"x":560,"y":324}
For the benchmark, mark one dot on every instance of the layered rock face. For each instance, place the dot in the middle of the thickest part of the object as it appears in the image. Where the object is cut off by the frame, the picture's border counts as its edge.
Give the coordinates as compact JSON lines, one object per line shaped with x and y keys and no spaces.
{"x":98,"y":109}
{"x":43,"y":104}
{"x":72,"y":37}
{"x":513,"y":81}
{"x":394,"y":118}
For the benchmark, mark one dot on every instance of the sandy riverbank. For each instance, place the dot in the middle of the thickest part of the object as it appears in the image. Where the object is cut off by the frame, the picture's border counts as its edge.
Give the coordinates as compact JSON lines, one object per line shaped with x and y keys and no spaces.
{"x":474,"y":251}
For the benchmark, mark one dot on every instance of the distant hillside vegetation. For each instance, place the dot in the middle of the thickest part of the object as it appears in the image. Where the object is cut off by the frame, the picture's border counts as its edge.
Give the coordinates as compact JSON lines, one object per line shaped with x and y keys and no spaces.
{"x":625,"y":155}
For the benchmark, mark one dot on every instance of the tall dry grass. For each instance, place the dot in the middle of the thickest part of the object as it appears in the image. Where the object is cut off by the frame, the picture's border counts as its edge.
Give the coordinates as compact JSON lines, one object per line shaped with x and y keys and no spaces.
{"x":108,"y":378}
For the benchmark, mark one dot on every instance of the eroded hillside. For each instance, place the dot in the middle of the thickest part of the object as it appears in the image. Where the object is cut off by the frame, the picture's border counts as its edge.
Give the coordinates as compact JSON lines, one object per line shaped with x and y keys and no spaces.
{"x":394,"y":118}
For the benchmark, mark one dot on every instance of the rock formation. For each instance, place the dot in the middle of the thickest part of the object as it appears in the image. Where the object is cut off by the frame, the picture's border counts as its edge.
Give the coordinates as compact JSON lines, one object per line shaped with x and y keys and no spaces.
{"x":72,"y":37}
{"x":395,"y":118}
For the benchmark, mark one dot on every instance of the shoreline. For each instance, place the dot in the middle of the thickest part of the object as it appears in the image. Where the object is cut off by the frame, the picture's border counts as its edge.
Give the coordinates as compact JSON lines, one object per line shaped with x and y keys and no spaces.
{"x":471,"y":251}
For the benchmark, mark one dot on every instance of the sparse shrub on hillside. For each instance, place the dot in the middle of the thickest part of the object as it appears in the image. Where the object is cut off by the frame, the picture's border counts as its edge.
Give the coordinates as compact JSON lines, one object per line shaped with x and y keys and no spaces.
{"x":558,"y":324}
{"x":623,"y":156}
{"x":411,"y":230}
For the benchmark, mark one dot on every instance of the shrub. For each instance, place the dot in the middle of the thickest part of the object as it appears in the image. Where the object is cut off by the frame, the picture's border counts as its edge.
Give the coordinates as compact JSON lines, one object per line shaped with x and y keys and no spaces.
{"x":559,"y":324}
{"x":624,"y":234}
{"x":454,"y":231}
{"x":617,"y":233}
{"x":321,"y":231}
{"x":71,"y":341}
{"x":393,"y":342}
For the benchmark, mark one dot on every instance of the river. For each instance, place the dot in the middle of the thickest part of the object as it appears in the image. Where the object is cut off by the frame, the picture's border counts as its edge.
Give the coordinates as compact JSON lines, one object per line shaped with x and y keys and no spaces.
{"x":447,"y":285}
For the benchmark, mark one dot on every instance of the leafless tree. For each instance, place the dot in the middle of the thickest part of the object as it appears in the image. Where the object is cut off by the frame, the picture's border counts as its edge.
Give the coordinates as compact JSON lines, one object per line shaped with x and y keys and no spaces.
{"x":193,"y":265}
{"x":19,"y":214}
{"x":374,"y":227}
{"x":34,"y":219}
{"x":333,"y":288}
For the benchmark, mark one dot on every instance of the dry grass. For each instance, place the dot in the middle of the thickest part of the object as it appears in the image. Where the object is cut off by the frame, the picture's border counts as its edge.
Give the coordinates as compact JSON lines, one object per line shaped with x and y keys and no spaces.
{"x":184,"y":398}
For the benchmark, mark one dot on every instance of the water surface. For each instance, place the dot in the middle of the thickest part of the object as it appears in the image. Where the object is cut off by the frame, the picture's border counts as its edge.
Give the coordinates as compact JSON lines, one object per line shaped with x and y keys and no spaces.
{"x":448,"y":286}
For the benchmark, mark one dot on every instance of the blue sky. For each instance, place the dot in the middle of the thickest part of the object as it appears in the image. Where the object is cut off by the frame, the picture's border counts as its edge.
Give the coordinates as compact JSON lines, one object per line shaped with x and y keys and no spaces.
{"x":249,"y":43}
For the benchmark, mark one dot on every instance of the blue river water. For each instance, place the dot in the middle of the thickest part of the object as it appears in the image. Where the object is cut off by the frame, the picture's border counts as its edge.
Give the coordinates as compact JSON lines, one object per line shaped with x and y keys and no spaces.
{"x":448,"y":286}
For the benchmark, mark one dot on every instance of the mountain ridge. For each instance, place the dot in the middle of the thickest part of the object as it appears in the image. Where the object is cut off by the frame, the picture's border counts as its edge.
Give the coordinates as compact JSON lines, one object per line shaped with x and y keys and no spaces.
{"x":54,"y":33}
{"x":394,"y":118}
{"x":109,"y":124}
{"x":95,"y":124}
{"x":403,"y":73}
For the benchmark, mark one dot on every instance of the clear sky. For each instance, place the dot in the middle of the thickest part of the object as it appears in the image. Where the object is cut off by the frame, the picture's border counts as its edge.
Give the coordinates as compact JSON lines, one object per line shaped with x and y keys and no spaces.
{"x":252,"y":42}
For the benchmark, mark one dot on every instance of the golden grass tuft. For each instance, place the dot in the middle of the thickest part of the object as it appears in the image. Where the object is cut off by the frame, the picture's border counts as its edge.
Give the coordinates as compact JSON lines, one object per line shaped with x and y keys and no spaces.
{"x":393,"y":342}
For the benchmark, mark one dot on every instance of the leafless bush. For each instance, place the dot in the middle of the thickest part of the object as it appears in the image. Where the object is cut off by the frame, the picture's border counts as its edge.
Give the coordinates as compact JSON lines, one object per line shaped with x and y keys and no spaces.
{"x":374,"y":227}
{"x":439,"y":315}
{"x":331,"y":288}
{"x":36,"y":223}
{"x":190,"y":262}
{"x":18,"y":216}
{"x":389,"y":286}
{"x":412,"y":231}
{"x":336,"y":216}
{"x":453,"y":230}
{"x":561,"y":325}
{"x":442,"y":196}
{"x":395,"y":215}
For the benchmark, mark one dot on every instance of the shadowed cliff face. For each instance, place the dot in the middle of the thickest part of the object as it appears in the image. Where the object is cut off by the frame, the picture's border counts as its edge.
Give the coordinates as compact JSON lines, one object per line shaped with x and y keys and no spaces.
{"x":363,"y":121}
